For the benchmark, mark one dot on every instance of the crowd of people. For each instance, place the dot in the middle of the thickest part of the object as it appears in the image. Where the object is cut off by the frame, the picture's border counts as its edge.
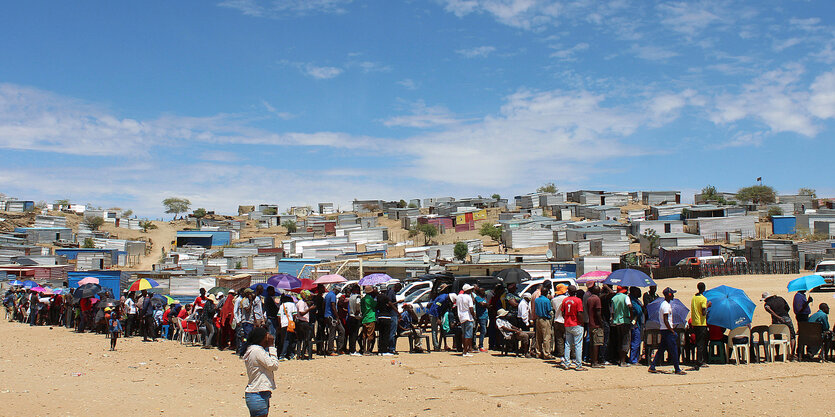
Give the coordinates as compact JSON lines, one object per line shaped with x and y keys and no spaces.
{"x":577,"y":328}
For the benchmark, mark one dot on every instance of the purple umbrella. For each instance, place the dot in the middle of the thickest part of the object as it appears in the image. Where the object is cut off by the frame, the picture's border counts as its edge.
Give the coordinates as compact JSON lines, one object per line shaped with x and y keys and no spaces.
{"x":374,"y":279}
{"x":284,"y":281}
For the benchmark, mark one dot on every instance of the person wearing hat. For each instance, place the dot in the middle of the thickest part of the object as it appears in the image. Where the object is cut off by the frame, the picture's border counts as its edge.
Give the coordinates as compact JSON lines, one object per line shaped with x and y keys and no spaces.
{"x":622,"y":323}
{"x":778,"y":308}
{"x":466,"y":317}
{"x":206,"y":326}
{"x":227,"y":318}
{"x":523,"y":314}
{"x":511,"y":332}
{"x":560,"y":294}
{"x":669,"y":338}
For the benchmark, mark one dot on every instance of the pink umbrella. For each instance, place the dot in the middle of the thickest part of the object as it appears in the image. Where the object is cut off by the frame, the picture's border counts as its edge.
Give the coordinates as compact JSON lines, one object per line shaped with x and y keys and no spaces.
{"x":593,"y":276}
{"x":39,"y":289}
{"x":88,"y":280}
{"x":330,"y":279}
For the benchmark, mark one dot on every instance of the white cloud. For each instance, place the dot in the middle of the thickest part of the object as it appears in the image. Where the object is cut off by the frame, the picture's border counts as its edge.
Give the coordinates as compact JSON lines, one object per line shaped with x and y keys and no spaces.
{"x":408,"y":84}
{"x":744,"y":139}
{"x":778,"y":100}
{"x":322,"y":73}
{"x":283,"y":115}
{"x":652,"y":53}
{"x":281,"y":8}
{"x":524,"y":14}
{"x":369,"y":66}
{"x":423,"y":116}
{"x":688,"y":18}
{"x":477,"y":52}
{"x":780,"y":45}
{"x":568,"y":54}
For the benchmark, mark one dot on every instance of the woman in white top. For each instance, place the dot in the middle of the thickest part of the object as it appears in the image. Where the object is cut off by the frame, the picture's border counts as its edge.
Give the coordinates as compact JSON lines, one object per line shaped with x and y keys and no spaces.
{"x":287,"y":314}
{"x":261,"y":361}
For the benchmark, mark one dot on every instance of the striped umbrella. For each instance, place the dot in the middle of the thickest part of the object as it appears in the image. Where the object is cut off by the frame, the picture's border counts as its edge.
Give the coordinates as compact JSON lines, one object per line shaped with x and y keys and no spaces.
{"x":143,"y":284}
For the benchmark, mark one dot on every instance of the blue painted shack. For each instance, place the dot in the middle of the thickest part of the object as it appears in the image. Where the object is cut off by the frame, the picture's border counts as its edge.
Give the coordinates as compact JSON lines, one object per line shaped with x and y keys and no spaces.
{"x":783,"y":225}
{"x":293,"y":266}
{"x":109,"y":279}
{"x":206,"y":239}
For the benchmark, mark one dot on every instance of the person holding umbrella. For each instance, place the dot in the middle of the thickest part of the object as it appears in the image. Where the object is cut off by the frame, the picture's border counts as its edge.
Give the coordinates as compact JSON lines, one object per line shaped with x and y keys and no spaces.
{"x":669,"y":339}
{"x":800,"y":305}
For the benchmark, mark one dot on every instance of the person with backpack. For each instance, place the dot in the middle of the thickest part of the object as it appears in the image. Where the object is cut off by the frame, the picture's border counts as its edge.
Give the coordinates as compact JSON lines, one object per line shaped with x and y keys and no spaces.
{"x":207,"y":320}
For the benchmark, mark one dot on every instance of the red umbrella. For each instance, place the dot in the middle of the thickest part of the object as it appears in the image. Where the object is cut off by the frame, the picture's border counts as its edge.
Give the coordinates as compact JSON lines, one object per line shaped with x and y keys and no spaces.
{"x":307,"y":284}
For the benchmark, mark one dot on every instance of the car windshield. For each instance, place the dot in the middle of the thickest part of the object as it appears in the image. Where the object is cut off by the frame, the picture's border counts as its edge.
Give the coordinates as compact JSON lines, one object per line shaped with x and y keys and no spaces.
{"x":415,"y":294}
{"x":825,"y":268}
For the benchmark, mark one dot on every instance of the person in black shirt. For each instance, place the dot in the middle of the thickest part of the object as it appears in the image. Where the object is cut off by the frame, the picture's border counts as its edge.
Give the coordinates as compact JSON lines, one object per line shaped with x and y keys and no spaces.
{"x":384,"y":312}
{"x":271,"y":311}
{"x":778,"y":308}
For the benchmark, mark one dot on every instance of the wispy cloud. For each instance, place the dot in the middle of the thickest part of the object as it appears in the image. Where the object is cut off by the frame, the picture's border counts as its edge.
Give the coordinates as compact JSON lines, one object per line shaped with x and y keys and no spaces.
{"x":652,"y":53}
{"x":408,"y":84}
{"x":369,"y":66}
{"x":477,"y":52}
{"x":322,"y":73}
{"x":282,"y":8}
{"x":569,"y":54}
{"x":283,"y":115}
{"x":688,"y":18}
{"x":423,"y":116}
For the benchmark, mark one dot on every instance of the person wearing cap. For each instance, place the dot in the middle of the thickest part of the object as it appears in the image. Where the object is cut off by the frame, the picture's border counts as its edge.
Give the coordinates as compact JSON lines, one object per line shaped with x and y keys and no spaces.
{"x":698,"y":319}
{"x":369,"y":320}
{"x":669,"y":338}
{"x":560,"y":294}
{"x":523,"y":315}
{"x":778,"y":308}
{"x":622,"y":324}
{"x":572,"y":312}
{"x":511,"y":332}
{"x":466,"y":316}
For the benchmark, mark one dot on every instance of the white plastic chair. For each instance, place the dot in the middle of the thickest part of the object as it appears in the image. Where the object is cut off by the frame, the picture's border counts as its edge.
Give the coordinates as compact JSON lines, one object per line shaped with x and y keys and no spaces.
{"x":740,"y":349}
{"x":780,"y":338}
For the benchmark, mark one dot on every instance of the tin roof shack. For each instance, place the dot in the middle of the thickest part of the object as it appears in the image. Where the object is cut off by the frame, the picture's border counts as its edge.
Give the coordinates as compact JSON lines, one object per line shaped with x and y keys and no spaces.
{"x":527,"y":201}
{"x":370,"y":235}
{"x":434,"y":201}
{"x":206,"y":239}
{"x":547,"y":200}
{"x":367,"y":206}
{"x":576,"y":234}
{"x":783,"y":225}
{"x":326,"y":208}
{"x":729,"y":229}
{"x":770,"y":250}
{"x":660,"y":226}
{"x":49,"y":222}
{"x":671,"y":255}
{"x":19,"y":206}
{"x":55,"y":275}
{"x":348,"y":219}
{"x":596,"y":263}
{"x":825,"y":228}
{"x":667,"y":212}
{"x":527,"y":238}
{"x":399,"y":268}
{"x":806,"y":221}
{"x":652,"y":198}
{"x":599,"y":212}
{"x":799,"y":203}
{"x":399,"y":213}
{"x":96,"y":259}
{"x":671,"y":240}
{"x":581,"y":196}
{"x":563,"y":211}
{"x":700,"y":211}
{"x":294,"y":266}
{"x":36,"y":235}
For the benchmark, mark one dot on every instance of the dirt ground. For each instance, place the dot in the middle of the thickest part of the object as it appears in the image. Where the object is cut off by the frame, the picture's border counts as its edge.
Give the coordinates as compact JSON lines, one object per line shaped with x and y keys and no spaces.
{"x":39,"y":377}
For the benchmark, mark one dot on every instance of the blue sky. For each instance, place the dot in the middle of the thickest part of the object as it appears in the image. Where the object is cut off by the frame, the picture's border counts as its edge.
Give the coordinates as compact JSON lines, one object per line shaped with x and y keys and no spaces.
{"x":296,"y":102}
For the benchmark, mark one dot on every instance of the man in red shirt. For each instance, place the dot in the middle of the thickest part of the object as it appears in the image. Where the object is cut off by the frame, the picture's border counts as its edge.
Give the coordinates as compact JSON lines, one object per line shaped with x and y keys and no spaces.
{"x":201,"y":299}
{"x":572,"y":309}
{"x":86,"y":314}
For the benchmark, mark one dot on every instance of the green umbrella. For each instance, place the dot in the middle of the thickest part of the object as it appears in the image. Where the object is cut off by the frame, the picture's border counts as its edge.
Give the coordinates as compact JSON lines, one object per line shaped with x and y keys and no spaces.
{"x":218,"y":291}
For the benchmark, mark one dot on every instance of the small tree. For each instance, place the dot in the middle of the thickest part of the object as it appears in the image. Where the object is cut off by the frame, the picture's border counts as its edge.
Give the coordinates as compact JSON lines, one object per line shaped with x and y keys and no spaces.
{"x":461,"y":251}
{"x":413,"y":205}
{"x":401,"y":204}
{"x":270,"y":211}
{"x":774,"y":211}
{"x":290,"y":226}
{"x":41,"y":205}
{"x":176,"y":205}
{"x":93,"y":223}
{"x":496,"y":197}
{"x":198,"y":215}
{"x":491,"y":231}
{"x":63,"y":202}
{"x":88,"y":243}
{"x":413,"y":231}
{"x":757,"y":194}
{"x":652,"y":236}
{"x":429,"y":231}
{"x":549,"y":188}
{"x":808,"y":191}
{"x":147,"y":225}
{"x":127,"y":213}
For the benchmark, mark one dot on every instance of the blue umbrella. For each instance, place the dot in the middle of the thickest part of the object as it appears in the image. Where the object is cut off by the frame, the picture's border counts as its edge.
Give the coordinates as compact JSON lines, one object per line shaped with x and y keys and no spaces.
{"x":284,"y":281}
{"x":16,"y":283}
{"x":680,"y":312}
{"x":730,"y":307}
{"x":29,"y":284}
{"x":806,"y":283}
{"x":629,"y":278}
{"x":374,"y":279}
{"x":260,"y":284}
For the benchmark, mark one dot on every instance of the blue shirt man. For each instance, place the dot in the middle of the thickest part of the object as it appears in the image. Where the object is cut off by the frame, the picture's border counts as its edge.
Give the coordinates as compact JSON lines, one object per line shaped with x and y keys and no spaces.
{"x":330,"y":300}
{"x":439,"y":305}
{"x":821,"y":317}
{"x":480,"y":310}
{"x":542,"y":306}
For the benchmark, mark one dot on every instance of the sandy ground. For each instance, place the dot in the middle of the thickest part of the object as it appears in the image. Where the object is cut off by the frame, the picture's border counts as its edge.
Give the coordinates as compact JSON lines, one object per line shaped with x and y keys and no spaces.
{"x":39,"y":366}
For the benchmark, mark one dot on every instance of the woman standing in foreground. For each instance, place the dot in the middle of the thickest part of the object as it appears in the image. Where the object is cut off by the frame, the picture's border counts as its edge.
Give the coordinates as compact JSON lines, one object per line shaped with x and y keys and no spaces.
{"x":261,"y":360}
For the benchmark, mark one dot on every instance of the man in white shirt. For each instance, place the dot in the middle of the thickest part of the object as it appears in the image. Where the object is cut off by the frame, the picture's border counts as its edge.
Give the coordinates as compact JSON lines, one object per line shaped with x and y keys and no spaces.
{"x":466,"y":314}
{"x":669,"y":338}
{"x":559,"y":321}
{"x":524,"y":311}
{"x":130,"y":309}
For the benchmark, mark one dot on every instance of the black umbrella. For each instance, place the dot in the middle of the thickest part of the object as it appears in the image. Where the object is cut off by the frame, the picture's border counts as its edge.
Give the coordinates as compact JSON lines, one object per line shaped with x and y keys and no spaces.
{"x":513,"y":275}
{"x":87,"y":291}
{"x":110,"y":302}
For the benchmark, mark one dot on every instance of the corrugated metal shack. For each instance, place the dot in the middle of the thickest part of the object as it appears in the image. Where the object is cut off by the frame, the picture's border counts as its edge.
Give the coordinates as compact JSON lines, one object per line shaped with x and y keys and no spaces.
{"x":527,"y":238}
{"x":671,"y":255}
{"x":660,"y":226}
{"x":729,"y":229}
{"x":376,"y":234}
{"x":582,"y":196}
{"x":651,"y":198}
{"x":825,"y":228}
{"x":603,"y":247}
{"x":399,"y":213}
{"x":599,"y":212}
{"x":45,"y":234}
{"x":771,"y":250}
{"x":547,"y":200}
{"x":667,"y":212}
{"x":806,"y":221}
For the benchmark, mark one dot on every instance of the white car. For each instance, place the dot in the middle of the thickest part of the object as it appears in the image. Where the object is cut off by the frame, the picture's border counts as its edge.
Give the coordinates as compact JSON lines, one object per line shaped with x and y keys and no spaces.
{"x":415,"y":287}
{"x":530,"y":286}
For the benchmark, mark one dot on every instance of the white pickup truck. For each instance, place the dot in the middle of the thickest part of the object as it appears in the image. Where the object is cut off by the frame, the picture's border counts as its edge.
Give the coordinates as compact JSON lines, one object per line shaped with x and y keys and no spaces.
{"x":826,"y":269}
